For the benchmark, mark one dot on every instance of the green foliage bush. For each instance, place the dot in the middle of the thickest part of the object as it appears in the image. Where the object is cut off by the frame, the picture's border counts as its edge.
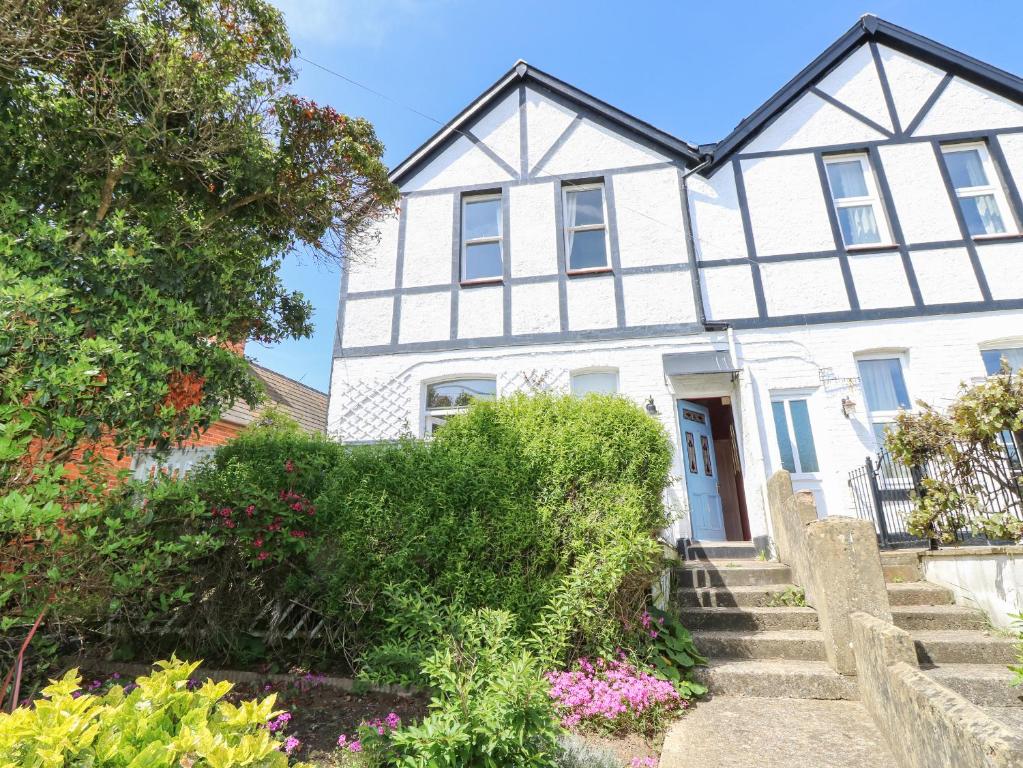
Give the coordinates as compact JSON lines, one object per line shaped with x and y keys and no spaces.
{"x":545,"y":507}
{"x":966,"y":441}
{"x":490,"y":705}
{"x":163,"y":721}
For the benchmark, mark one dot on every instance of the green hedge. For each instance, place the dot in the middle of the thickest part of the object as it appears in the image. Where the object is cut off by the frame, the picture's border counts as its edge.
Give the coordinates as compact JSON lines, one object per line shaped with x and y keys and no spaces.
{"x":499,"y":511}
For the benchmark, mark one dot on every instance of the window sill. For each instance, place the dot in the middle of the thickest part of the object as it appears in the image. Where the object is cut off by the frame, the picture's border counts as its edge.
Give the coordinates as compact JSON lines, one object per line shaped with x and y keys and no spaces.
{"x":590,"y":271}
{"x":996,"y":237}
{"x":871,"y":247}
{"x":481,"y":281}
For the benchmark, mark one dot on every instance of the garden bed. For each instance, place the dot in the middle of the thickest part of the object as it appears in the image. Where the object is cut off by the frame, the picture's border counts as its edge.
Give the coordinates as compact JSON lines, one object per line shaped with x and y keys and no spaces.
{"x":322,"y":708}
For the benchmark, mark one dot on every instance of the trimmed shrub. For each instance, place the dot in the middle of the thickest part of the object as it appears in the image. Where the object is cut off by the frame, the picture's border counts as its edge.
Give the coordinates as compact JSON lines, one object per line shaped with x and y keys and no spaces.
{"x":544,"y":507}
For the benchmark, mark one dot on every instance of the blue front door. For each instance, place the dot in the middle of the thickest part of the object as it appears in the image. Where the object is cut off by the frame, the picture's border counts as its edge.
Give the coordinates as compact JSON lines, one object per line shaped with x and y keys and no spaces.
{"x":701,"y":472}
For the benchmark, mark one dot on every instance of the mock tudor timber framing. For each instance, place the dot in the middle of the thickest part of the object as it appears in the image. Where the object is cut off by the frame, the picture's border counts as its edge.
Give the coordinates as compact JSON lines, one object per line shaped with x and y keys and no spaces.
{"x":726,"y":156}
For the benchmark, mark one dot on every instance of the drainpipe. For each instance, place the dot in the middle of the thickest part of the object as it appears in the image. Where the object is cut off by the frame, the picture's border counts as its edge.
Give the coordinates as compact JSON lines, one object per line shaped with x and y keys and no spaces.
{"x":687,"y":224}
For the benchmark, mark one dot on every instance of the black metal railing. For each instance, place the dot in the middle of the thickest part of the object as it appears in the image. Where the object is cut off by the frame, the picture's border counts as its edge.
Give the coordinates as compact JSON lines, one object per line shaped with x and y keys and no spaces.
{"x":988,"y":480}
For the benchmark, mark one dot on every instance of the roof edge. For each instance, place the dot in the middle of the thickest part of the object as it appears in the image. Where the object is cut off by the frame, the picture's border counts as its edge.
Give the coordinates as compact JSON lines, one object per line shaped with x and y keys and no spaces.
{"x":522,"y":73}
{"x":867,"y":28}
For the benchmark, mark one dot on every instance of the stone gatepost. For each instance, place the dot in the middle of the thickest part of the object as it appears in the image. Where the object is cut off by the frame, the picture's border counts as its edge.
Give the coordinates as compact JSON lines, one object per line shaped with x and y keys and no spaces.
{"x":845,"y":564}
{"x":836,"y":561}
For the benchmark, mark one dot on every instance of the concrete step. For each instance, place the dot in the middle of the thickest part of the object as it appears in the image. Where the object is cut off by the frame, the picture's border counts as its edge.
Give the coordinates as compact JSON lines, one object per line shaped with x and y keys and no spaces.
{"x":918,"y":593}
{"x":986,"y":685}
{"x":745,"y":731}
{"x":732,"y":573}
{"x":901,"y":574}
{"x":727,"y":597}
{"x":924,"y":617}
{"x":957,"y":646}
{"x":776,"y":678}
{"x":794,"y":644}
{"x":721,"y":550}
{"x":749,"y":618}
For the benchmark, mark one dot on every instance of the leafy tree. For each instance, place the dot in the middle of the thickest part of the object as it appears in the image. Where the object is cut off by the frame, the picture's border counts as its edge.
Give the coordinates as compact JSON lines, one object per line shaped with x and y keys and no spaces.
{"x":156,"y":171}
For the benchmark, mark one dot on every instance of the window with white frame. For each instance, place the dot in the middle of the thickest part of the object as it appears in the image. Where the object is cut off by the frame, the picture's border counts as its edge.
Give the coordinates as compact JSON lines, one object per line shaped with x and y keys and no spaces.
{"x":1013,"y":357}
{"x":482,"y":252}
{"x":585,"y":226}
{"x":795,"y":436}
{"x":444,"y":399}
{"x":977,"y":188}
{"x":854,"y":194}
{"x":993,"y":359}
{"x":884,"y":387}
{"x":602,"y":382}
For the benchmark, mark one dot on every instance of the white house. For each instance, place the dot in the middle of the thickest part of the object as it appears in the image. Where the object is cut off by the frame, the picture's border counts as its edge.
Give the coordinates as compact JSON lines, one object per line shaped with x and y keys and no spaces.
{"x":854,"y":245}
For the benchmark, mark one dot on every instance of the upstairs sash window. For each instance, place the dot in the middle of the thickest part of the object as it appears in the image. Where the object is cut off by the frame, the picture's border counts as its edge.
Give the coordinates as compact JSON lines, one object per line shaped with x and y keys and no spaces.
{"x":482,"y":252}
{"x":585,"y":227}
{"x":857,"y":205}
{"x":977,"y":189}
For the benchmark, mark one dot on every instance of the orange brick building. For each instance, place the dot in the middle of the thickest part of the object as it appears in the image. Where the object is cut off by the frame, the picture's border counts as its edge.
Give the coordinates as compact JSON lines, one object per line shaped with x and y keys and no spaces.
{"x":304,"y":404}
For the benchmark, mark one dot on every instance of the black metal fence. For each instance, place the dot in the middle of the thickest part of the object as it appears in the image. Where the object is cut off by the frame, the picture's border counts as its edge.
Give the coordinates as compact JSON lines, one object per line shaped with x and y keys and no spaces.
{"x":884,"y":491}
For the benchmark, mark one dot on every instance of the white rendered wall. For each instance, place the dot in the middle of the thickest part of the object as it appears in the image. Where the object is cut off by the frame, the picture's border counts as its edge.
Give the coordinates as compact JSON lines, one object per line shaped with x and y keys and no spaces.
{"x":644,"y":229}
{"x":988,"y":578}
{"x":428,"y":240}
{"x":856,"y":84}
{"x":788,"y":201}
{"x":374,"y":270}
{"x":962,"y":104}
{"x":921,"y":201}
{"x":651,"y":234}
{"x":811,"y":122}
{"x":787,"y":208}
{"x":717,"y":221}
{"x":939,"y":353}
{"x":910,"y":80}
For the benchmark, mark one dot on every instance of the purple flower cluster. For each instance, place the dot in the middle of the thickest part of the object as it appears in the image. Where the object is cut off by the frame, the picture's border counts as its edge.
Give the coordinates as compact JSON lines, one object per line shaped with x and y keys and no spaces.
{"x":279,"y":723}
{"x":643,"y":762}
{"x":610,"y":694}
{"x":650,"y":626}
{"x":369,"y":729}
{"x":291,"y":744}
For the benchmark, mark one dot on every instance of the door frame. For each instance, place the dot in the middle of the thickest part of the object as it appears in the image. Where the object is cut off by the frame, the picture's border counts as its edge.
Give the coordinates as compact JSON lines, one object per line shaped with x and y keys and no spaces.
{"x":732,"y":393}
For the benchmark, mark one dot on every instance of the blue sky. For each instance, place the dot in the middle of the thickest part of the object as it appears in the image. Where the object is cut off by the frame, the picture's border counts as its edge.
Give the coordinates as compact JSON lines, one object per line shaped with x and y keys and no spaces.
{"x":692,"y":69}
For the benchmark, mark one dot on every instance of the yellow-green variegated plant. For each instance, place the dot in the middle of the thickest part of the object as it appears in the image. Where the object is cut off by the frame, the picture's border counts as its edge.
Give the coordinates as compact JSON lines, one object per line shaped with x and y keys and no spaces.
{"x":163,"y":723}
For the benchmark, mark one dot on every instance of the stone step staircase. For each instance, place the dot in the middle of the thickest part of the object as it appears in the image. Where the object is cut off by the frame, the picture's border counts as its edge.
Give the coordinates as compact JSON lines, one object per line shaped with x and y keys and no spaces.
{"x":956,"y":645}
{"x":758,"y":646}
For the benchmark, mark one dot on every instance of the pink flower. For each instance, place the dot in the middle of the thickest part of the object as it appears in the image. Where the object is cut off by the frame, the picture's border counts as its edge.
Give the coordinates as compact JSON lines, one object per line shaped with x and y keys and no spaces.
{"x":392,"y":720}
{"x":611,"y":693}
{"x":263,"y":555}
{"x":289,"y":466}
{"x":291,"y":744}
{"x":355,"y":746}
